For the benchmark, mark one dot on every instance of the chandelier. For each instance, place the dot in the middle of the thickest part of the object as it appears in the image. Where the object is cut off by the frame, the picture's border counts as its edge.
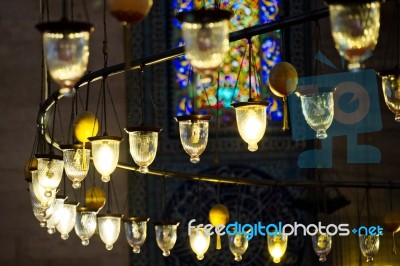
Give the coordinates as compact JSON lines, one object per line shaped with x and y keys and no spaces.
{"x":206,"y":37}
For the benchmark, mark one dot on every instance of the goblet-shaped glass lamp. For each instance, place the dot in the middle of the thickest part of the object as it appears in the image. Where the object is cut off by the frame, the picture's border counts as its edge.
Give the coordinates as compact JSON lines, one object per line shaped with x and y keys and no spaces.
{"x":205,"y":33}
{"x":50,"y":169}
{"x":318,"y":111}
{"x":369,"y":245}
{"x":136,"y":232}
{"x":109,"y":227}
{"x":391,"y":91}
{"x":251,"y":118}
{"x":277,"y":246}
{"x":238,"y":245}
{"x":40,"y":193}
{"x":355,"y":29}
{"x":67,"y":221}
{"x":143,"y":142}
{"x":193,"y":130}
{"x":166,"y":236}
{"x":76,"y":163}
{"x":54,"y":219}
{"x":66,"y":49}
{"x":105,"y":152}
{"x":322,"y":244}
{"x":85,"y":224}
{"x":199,"y":241}
{"x":128,"y":11}
{"x":42,"y":215}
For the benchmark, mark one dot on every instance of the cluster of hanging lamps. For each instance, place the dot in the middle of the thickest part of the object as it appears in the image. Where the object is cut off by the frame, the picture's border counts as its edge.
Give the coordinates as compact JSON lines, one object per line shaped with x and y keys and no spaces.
{"x":355,"y":29}
{"x":205,"y":33}
{"x":66,"y":50}
{"x":136,"y":232}
{"x":251,"y":116}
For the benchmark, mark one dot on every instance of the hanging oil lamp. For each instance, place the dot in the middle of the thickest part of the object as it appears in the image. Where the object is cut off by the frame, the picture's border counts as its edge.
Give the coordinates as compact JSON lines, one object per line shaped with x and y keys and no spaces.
{"x":251,"y":116}
{"x":205,"y":32}
{"x":66,"y":50}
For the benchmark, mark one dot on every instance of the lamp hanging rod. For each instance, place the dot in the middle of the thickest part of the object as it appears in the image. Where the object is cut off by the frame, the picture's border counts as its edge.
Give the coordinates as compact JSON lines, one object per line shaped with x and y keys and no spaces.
{"x":179,"y":51}
{"x":265,"y":182}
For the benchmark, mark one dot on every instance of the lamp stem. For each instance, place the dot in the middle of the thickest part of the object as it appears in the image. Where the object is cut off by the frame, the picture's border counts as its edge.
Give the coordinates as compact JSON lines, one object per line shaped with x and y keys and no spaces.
{"x":250,"y":53}
{"x":141,"y":95}
{"x":104,"y":106}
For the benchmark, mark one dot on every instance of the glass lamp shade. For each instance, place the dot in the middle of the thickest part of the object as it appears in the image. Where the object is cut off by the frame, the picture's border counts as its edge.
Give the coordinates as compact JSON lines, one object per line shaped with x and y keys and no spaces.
{"x":42,"y":215}
{"x":355,"y":29}
{"x":109,"y":226}
{"x":193,"y":131}
{"x":277,"y":246}
{"x":391,"y":91}
{"x":85,"y":224}
{"x":105,"y":152}
{"x":56,"y":216}
{"x":369,"y":245}
{"x":166,"y":236}
{"x":40,"y":192}
{"x":67,"y":221}
{"x":50,"y":169}
{"x":136,"y":232}
{"x":66,"y":49}
{"x":251,"y":118}
{"x":128,"y":11}
{"x":205,"y":33}
{"x":318,"y":110}
{"x":143,"y":142}
{"x":76,"y":163}
{"x":322,"y":244}
{"x":238,"y":245}
{"x":199,"y":241}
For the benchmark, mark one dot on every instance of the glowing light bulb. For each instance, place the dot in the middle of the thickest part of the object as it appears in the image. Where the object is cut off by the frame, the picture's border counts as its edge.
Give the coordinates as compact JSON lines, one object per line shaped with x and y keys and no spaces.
{"x":277,"y":246}
{"x":50,"y":169}
{"x":109,"y":228}
{"x":251,"y":118}
{"x":199,"y":242}
{"x":105,"y":150}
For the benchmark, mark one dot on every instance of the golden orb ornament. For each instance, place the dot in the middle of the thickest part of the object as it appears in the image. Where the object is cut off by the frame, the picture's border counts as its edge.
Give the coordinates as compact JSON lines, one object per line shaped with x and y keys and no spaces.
{"x":86,"y":125}
{"x":283,"y":81}
{"x":95,"y":198}
{"x":219,"y":215}
{"x":392,"y":221}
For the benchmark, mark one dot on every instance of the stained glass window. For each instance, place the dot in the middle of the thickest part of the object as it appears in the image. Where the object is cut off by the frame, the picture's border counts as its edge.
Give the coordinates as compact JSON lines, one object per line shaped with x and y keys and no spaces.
{"x":232,"y":87}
